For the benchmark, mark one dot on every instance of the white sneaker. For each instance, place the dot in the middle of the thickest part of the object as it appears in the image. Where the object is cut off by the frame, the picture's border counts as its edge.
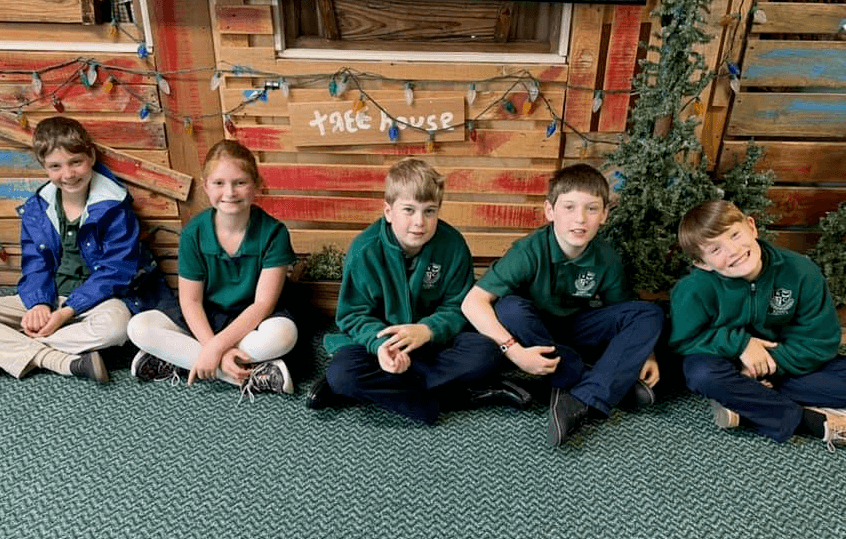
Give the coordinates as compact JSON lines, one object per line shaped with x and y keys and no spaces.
{"x":835,"y":426}
{"x":723,"y":417}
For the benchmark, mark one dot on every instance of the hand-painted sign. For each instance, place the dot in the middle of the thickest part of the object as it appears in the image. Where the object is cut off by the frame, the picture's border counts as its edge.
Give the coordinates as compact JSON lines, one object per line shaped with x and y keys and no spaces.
{"x":338,"y":123}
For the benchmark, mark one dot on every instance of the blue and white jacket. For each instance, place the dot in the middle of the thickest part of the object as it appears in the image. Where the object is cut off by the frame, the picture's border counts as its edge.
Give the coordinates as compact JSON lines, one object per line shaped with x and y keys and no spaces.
{"x":108,"y":242}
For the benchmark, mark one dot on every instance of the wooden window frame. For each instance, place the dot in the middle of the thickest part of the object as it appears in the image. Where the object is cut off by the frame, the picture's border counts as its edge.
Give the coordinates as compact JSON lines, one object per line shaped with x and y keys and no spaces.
{"x":87,"y":46}
{"x":559,"y":57}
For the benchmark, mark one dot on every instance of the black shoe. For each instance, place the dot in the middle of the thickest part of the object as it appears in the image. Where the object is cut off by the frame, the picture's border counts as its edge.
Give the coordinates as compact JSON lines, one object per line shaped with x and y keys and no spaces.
{"x":149,"y":368}
{"x":321,"y":396}
{"x":639,"y":395}
{"x":566,"y":414}
{"x":501,"y":393}
{"x":90,"y":365}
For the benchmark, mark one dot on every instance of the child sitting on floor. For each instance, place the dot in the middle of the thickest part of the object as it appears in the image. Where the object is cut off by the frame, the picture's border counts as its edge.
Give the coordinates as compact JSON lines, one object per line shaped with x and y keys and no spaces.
{"x":233,"y":261}
{"x":758,"y":329}
{"x":559,"y":295}
{"x":81,"y":262}
{"x":403,"y":346}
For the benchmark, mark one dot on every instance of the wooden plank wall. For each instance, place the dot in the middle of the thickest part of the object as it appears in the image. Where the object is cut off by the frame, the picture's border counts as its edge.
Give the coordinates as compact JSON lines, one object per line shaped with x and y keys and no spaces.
{"x":136,"y":149}
{"x":495,"y":184}
{"x":792,"y":101}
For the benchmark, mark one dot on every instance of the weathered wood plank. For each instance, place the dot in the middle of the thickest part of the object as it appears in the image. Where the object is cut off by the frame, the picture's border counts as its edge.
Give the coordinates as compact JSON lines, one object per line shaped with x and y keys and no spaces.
{"x":63,"y":11}
{"x":263,"y":59}
{"x":584,"y":62}
{"x":795,"y":63}
{"x":133,"y":169}
{"x":799,"y":18}
{"x":788,"y":115}
{"x":363,"y":211}
{"x":483,"y":108}
{"x":295,"y":177}
{"x":804,"y":206}
{"x":797,"y":240}
{"x":152,"y":205}
{"x":622,"y":52}
{"x":19,"y":65}
{"x":793,"y":161}
{"x":493,"y":143}
{"x":252,"y":20}
{"x":76,"y":98}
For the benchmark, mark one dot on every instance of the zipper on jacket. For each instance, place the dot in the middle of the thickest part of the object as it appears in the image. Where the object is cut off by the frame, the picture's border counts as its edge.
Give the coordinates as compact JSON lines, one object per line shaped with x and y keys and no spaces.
{"x":752,"y":289}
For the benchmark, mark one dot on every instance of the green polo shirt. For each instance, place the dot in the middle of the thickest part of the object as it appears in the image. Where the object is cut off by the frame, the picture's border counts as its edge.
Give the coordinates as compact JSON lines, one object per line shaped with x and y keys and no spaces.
{"x":536,"y":268}
{"x":72,"y":270}
{"x":230,"y":281}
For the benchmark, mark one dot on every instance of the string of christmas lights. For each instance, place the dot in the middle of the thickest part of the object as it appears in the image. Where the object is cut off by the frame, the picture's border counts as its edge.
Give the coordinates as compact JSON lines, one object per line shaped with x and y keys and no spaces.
{"x":88,"y":72}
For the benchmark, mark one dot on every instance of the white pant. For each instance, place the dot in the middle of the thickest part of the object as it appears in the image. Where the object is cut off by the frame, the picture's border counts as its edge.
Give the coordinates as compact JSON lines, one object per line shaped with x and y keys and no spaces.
{"x":102,"y":326}
{"x":155,"y":333}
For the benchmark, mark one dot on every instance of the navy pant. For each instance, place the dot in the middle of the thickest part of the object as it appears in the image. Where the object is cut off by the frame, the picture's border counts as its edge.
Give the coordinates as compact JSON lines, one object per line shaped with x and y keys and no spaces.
{"x":354,"y":372}
{"x":621,"y":336}
{"x":774,"y":412}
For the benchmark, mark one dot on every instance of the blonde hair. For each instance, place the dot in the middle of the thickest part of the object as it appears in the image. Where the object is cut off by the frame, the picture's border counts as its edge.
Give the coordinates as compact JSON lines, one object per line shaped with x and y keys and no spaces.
{"x":704,"y":222}
{"x":61,"y":132}
{"x":581,"y":177}
{"x":414,"y":178}
{"x":237,"y":152}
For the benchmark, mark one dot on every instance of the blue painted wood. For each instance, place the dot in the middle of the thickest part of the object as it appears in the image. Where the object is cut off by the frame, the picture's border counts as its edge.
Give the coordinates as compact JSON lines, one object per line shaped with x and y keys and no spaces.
{"x":795,"y":63}
{"x":789,"y":115}
{"x":18,"y":160}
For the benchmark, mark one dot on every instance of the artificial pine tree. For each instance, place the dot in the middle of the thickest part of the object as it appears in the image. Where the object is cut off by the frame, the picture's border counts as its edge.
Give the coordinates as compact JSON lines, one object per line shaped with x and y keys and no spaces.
{"x":830,"y":252}
{"x":659,"y":166}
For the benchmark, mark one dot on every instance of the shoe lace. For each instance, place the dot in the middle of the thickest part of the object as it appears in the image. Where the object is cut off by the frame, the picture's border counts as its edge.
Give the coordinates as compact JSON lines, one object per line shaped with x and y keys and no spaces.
{"x":250,"y":384}
{"x":836,"y":437}
{"x":173,"y":378}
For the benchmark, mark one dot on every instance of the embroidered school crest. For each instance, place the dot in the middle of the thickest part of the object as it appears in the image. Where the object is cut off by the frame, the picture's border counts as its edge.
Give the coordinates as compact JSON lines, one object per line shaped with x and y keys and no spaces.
{"x":781,"y":302}
{"x":585,"y":283}
{"x":433,"y":275}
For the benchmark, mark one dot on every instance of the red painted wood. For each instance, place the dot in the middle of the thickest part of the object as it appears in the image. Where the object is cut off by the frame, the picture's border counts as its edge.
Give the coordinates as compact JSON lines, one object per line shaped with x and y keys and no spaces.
{"x":372,"y":179}
{"x":28,"y":61}
{"x":622,"y":52}
{"x":362,"y":211}
{"x":77,"y":98}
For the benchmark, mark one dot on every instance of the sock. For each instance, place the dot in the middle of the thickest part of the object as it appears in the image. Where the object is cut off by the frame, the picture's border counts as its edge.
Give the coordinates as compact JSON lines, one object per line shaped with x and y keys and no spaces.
{"x":813,"y":423}
{"x":54,"y":360}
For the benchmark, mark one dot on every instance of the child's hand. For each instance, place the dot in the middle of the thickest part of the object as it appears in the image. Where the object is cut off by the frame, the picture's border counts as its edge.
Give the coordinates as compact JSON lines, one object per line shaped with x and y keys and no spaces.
{"x":205,"y":368}
{"x":531,"y":360}
{"x":58,"y":318}
{"x":232,"y":364}
{"x":649,"y":372}
{"x":35,"y":319}
{"x":392,"y":361}
{"x":406,"y":337}
{"x":756,"y":358}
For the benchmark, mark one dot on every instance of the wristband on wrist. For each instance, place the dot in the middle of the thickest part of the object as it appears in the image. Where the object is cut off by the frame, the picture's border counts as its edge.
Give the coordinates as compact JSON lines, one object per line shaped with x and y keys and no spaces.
{"x":507,"y":344}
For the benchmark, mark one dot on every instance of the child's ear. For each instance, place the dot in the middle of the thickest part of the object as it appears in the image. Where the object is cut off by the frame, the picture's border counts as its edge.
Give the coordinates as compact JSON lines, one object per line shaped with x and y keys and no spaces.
{"x":387,"y":211}
{"x":702,"y":265}
{"x":548,"y":211}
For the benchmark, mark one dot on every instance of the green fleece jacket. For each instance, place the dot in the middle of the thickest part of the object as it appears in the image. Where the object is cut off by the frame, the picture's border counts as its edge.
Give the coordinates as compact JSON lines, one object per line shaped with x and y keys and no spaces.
{"x":789,"y":303}
{"x":377,"y":289}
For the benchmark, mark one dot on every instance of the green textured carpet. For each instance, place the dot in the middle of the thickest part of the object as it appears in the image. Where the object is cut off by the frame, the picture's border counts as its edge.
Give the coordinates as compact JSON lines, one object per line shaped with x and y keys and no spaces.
{"x":133,"y":460}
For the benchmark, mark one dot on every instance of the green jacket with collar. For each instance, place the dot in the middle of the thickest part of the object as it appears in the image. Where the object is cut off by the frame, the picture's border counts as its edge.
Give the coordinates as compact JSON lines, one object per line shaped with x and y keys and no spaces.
{"x":377,"y":291}
{"x":789,"y":303}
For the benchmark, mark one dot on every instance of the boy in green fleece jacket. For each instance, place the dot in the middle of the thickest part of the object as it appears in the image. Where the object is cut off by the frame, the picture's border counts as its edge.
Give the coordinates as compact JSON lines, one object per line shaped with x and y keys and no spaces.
{"x":758,"y":330}
{"x":399,"y":309}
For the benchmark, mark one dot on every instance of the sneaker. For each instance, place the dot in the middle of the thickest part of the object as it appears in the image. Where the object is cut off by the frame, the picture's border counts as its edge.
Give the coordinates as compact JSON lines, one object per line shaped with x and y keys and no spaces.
{"x":90,"y":365}
{"x":148,"y":368}
{"x":566,"y":414}
{"x":723,"y":417}
{"x":268,"y":377}
{"x":835,"y":426}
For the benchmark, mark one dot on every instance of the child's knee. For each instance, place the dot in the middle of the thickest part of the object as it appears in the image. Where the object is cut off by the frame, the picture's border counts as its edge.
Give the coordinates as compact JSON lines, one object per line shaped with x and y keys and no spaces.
{"x":139,"y":327}
{"x":511,"y":309}
{"x":109,"y":325}
{"x":697,"y":374}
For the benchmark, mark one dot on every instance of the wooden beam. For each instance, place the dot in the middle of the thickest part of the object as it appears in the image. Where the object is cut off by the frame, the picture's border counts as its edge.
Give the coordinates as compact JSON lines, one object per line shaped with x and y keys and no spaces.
{"x":792,"y":161}
{"x":584,"y":62}
{"x":799,"y":18}
{"x":331,"y":31}
{"x":788,"y":115}
{"x":622,"y":52}
{"x":795,"y":63}
{"x":135,"y":170}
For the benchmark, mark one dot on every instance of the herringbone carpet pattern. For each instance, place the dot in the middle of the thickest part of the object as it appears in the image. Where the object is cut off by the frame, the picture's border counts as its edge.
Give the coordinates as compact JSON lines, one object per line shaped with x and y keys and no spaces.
{"x":132,"y":460}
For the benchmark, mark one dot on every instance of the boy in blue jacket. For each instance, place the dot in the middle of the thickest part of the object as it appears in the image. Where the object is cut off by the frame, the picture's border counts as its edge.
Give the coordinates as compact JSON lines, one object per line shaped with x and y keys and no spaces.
{"x":403,"y":346}
{"x":81,"y":262}
{"x":758,"y":330}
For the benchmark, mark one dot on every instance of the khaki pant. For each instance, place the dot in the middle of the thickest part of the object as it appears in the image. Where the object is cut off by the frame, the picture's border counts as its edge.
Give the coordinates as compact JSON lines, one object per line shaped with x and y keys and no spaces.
{"x":99,"y":327}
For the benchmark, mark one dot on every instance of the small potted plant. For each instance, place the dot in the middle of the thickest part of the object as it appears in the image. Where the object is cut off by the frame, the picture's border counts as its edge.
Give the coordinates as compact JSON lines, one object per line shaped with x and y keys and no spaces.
{"x":319,"y":278}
